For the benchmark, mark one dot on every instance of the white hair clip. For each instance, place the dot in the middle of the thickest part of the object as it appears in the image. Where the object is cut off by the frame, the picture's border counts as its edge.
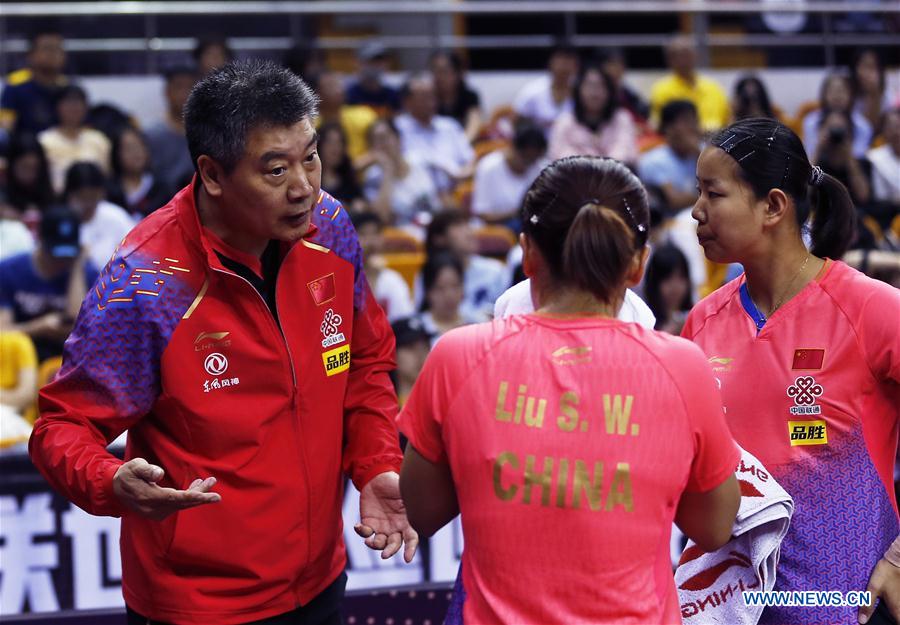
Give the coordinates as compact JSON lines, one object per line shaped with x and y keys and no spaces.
{"x":816,"y":176}
{"x":640,"y":227}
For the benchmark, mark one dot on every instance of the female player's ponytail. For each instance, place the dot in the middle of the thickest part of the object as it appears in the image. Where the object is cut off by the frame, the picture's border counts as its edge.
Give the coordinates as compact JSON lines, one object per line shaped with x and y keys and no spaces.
{"x":589,"y":218}
{"x":834,"y":216}
{"x":597,"y":251}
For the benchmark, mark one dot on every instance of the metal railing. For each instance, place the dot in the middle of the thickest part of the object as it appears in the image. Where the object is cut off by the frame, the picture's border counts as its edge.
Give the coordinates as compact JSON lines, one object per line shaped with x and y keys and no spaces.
{"x":153,"y":41}
{"x":439,"y":7}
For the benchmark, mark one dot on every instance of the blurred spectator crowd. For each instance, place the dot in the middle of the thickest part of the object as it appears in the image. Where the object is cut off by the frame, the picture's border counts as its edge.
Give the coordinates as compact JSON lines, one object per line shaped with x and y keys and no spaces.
{"x":432,"y":181}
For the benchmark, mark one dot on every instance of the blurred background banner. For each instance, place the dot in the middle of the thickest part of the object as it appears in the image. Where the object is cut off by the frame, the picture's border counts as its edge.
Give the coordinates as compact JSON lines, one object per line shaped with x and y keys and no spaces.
{"x":54,"y":556}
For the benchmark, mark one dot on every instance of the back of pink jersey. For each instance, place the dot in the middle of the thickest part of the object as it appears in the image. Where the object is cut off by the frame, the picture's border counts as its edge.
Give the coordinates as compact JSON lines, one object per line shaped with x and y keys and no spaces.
{"x":570,"y":442}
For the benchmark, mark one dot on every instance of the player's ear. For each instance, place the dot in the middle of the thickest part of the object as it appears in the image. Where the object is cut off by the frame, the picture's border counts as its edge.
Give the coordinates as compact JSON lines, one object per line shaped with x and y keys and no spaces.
{"x":638,"y":265}
{"x":777,"y":204}
{"x":528,"y":251}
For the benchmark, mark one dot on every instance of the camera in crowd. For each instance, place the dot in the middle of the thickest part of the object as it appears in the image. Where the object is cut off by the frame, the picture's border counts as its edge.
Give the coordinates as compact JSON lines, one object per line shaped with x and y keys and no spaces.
{"x":837,"y":135}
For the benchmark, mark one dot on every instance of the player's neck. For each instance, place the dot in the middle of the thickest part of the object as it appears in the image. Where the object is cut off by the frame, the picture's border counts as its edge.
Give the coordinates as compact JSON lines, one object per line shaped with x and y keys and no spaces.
{"x":568,"y":302}
{"x":774,"y":279}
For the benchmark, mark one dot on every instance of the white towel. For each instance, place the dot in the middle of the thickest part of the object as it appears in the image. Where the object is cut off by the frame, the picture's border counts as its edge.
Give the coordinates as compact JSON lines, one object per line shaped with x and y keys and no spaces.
{"x":710,"y":584}
{"x":517,"y":301}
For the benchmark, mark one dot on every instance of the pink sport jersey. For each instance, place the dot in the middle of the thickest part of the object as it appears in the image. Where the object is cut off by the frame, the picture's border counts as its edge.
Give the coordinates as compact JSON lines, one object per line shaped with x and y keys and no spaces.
{"x":815,"y":397}
{"x":570,"y":442}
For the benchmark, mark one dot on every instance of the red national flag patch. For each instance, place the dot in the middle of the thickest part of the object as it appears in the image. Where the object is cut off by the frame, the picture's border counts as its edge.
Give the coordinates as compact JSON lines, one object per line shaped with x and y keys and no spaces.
{"x":808,"y":359}
{"x":322,"y":289}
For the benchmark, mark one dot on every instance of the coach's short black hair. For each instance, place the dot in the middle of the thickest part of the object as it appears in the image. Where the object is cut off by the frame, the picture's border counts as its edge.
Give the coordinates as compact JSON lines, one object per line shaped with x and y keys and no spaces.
{"x":230,"y":102}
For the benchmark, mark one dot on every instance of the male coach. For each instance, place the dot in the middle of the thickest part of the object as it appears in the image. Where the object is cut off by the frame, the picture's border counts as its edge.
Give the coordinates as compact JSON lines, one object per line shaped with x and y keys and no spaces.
{"x":234,"y":336}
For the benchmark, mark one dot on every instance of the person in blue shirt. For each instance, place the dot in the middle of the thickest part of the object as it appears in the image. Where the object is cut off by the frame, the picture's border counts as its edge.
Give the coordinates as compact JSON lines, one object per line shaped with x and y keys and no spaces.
{"x":41,"y":291}
{"x":28,"y":101}
{"x":370,"y":88}
{"x":673,"y":165}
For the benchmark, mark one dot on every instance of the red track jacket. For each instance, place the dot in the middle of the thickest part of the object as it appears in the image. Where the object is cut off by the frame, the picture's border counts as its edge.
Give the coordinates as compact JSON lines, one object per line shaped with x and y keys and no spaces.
{"x":185,"y":355}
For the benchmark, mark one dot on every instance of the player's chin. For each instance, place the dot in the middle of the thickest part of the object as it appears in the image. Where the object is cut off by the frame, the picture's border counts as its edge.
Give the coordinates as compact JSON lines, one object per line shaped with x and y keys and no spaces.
{"x":713,"y":251}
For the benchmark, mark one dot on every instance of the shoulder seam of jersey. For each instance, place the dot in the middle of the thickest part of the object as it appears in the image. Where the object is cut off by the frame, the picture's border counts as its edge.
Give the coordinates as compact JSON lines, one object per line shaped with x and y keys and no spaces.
{"x":715,"y":311}
{"x":484,"y":354}
{"x":846,"y":316}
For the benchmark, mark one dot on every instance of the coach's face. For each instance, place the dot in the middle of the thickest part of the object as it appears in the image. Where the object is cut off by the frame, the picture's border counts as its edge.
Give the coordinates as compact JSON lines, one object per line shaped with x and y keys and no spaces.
{"x":271,"y":192}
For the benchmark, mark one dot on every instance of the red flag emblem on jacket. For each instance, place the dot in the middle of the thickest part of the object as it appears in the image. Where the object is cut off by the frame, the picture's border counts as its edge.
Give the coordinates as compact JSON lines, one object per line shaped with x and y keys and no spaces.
{"x":809,"y":359}
{"x":322,"y":289}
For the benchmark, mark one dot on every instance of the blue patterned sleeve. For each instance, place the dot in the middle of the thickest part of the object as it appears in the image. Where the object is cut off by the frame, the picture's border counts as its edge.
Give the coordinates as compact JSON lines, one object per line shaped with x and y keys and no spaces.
{"x":109,"y":379}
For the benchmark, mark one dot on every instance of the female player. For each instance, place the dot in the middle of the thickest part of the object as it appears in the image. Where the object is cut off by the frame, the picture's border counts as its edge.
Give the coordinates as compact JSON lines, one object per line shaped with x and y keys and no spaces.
{"x":569,"y":440}
{"x":807,"y":354}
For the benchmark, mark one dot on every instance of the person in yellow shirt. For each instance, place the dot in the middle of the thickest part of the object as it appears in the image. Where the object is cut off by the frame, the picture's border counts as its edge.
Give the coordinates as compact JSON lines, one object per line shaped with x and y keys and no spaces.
{"x":18,"y":371}
{"x":684,"y":83}
{"x":355,"y":119}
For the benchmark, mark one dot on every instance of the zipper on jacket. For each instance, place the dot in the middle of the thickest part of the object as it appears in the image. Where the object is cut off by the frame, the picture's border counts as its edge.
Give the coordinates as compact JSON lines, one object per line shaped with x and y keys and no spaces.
{"x":294,"y":406}
{"x":272,"y":321}
{"x":300,"y":448}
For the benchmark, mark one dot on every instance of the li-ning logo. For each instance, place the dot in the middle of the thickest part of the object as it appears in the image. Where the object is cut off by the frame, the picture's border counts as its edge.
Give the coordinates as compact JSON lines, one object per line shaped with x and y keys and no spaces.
{"x":572,"y":355}
{"x":215,"y":364}
{"x":720,"y":363}
{"x":208,"y":340}
{"x":711,"y":588}
{"x":804,"y":392}
{"x":748,"y":489}
{"x":706,"y":578}
{"x":330,"y":328}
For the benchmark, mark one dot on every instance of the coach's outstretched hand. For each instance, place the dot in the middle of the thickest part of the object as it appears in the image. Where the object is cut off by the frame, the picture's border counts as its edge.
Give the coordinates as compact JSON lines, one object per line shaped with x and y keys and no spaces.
{"x":383,"y":521}
{"x":884,"y":584}
{"x":135,"y":485}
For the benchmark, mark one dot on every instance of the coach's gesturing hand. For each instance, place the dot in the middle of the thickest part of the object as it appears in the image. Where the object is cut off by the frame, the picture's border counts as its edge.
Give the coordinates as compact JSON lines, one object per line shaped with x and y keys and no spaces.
{"x":135,"y":484}
{"x":383,"y":521}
